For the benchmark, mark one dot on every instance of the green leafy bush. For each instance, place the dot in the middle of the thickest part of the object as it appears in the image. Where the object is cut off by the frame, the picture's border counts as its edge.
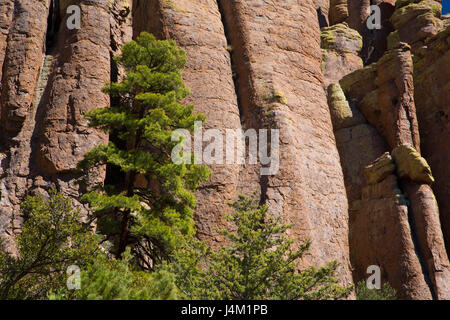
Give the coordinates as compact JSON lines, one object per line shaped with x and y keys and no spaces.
{"x":53,"y":238}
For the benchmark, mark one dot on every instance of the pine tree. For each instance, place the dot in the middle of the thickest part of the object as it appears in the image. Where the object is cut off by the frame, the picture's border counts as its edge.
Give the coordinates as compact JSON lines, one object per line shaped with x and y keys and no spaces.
{"x":156,"y":215}
{"x":257,"y":264}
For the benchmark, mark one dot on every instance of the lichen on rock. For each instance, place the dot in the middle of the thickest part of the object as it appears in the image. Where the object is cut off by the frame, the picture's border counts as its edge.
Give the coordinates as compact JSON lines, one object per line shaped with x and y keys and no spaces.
{"x":342,"y":38}
{"x":342,"y":114}
{"x":416,"y":20}
{"x":340,"y":52}
{"x":379,"y":169}
{"x":411,"y":165}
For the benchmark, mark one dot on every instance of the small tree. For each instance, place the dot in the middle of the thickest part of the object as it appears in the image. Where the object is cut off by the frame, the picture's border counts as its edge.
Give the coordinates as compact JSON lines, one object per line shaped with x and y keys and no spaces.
{"x":386,"y":292}
{"x":53,"y":238}
{"x":258,"y":263}
{"x":154,"y":214}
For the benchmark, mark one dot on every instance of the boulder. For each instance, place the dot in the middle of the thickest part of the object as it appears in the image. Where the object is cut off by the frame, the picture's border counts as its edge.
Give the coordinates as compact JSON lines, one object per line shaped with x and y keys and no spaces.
{"x":380,"y":169}
{"x":341,"y":38}
{"x":415,"y":21}
{"x":340,"y":48}
{"x":411,"y":165}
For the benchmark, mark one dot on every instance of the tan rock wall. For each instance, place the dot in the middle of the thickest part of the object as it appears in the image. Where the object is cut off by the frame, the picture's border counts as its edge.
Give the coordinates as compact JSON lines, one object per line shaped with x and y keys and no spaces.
{"x":55,"y":88}
{"x":288,"y":62}
{"x":378,"y":212}
{"x":432,"y":96}
{"x":384,"y":92}
{"x":24,"y":55}
{"x":381,"y":235}
{"x":279,"y":48}
{"x":82,"y":68}
{"x":6,"y":7}
{"x":257,"y":64}
{"x":341,"y":46}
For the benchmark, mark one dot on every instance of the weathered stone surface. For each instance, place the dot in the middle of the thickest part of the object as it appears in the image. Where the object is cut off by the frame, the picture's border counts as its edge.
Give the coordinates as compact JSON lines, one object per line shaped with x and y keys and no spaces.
{"x":342,"y":114}
{"x":279,"y":45}
{"x":385,"y":96}
{"x":374,"y":40}
{"x":6,"y":15}
{"x":375,"y":43}
{"x":359,"y":146}
{"x":273,"y":51}
{"x":376,"y":89}
{"x":384,"y":93}
{"x":121,"y":33}
{"x":411,"y":165}
{"x":432,"y":96}
{"x":24,"y":57}
{"x":83,"y":67}
{"x":414,"y":21}
{"x":64,"y":4}
{"x":428,"y":230}
{"x":380,"y":235}
{"x":358,"y":12}
{"x":378,"y":213}
{"x":341,"y":38}
{"x":340,"y":48}
{"x":338,"y":11}
{"x":336,"y":65}
{"x":446,"y":20}
{"x":55,"y":89}
{"x":380,"y":169}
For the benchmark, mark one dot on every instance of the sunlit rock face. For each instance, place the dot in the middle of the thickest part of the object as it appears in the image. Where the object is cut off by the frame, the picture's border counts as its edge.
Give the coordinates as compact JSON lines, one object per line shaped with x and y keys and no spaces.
{"x":363,"y":117}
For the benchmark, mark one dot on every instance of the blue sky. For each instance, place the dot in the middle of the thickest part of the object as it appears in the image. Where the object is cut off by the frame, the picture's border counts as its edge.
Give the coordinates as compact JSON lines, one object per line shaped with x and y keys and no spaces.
{"x":445,"y":6}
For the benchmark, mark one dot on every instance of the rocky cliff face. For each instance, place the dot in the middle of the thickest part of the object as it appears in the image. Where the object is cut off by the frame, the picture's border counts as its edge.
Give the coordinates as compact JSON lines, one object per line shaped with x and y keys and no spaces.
{"x":362,"y":116}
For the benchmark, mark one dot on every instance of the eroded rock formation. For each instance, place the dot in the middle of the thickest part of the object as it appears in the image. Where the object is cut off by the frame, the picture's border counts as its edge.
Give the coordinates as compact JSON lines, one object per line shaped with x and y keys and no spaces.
{"x":399,"y":185}
{"x":362,"y":116}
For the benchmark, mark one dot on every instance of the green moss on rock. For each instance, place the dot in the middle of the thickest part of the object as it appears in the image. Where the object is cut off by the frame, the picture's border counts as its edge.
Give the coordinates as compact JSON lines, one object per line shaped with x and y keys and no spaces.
{"x":393,"y":40}
{"x":361,"y":76}
{"x":380,"y":169}
{"x":342,"y":38}
{"x":413,"y":9}
{"x":411,"y":165}
{"x":343,"y":115}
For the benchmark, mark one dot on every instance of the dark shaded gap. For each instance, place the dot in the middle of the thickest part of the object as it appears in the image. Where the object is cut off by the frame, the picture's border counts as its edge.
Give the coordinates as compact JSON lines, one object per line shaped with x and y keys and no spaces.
{"x":114,"y":176}
{"x":375,"y":41}
{"x":323,"y":23}
{"x":232,"y":59}
{"x":2,"y":134}
{"x":53,"y":24}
